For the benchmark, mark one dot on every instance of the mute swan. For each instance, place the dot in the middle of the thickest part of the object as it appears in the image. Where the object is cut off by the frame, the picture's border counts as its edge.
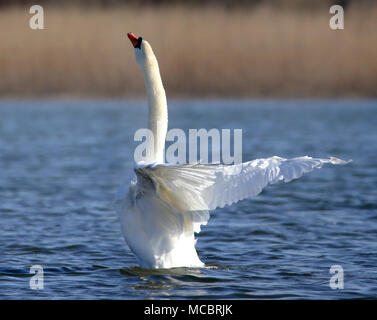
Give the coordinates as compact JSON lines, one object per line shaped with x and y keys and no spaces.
{"x":164,"y":205}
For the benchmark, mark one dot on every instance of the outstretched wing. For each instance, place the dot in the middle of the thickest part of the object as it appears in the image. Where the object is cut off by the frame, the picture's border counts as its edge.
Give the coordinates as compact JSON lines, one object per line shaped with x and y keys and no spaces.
{"x":238,"y":182}
{"x":205,"y":187}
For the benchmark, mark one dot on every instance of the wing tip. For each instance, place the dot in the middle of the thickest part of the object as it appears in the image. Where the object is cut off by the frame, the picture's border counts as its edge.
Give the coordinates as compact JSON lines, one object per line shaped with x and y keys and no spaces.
{"x":334,"y":160}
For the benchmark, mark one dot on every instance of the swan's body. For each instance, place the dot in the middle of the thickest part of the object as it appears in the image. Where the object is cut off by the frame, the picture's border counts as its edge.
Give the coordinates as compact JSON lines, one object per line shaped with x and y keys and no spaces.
{"x":164,"y":205}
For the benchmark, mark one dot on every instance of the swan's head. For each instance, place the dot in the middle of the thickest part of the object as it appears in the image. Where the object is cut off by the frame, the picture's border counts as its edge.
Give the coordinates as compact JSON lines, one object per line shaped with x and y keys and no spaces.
{"x":143,"y":51}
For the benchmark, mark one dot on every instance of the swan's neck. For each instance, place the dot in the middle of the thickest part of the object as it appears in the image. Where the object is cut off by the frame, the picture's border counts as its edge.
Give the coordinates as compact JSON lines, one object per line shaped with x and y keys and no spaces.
{"x":158,"y":110}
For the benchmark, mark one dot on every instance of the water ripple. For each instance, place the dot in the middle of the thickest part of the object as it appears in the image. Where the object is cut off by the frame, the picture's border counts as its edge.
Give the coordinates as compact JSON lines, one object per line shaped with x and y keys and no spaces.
{"x":63,"y":161}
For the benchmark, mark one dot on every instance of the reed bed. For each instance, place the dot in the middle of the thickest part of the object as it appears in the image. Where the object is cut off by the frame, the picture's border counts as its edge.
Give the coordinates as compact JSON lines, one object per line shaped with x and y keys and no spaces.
{"x":202,"y":52}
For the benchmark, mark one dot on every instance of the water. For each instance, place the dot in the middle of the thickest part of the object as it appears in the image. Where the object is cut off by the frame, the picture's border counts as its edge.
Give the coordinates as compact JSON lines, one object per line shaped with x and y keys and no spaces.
{"x":62,"y":162}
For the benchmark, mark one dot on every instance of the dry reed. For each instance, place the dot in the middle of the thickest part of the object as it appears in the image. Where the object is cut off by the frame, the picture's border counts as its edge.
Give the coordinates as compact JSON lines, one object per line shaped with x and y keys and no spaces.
{"x":255,"y":52}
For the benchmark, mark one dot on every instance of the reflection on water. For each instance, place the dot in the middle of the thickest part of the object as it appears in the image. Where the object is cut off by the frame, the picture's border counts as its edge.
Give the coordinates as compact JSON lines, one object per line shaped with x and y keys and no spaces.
{"x":162,"y":281}
{"x":62,"y":162}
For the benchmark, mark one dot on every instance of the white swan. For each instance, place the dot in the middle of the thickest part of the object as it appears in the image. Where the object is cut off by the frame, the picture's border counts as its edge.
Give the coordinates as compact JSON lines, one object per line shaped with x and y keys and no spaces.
{"x":164,"y":205}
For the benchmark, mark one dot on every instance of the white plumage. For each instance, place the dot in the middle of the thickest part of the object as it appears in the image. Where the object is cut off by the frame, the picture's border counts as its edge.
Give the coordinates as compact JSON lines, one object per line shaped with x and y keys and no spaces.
{"x":164,"y":205}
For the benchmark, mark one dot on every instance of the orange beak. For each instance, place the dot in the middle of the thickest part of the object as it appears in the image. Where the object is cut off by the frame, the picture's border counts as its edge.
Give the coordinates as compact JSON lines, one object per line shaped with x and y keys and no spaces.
{"x":133,"y":38}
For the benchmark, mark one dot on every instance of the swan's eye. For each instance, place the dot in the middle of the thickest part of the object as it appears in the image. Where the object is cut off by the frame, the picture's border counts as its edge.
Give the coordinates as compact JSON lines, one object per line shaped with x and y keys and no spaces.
{"x":138,"y":44}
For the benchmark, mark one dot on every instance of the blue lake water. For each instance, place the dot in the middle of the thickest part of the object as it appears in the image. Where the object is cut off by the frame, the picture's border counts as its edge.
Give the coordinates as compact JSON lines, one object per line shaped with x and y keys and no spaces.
{"x":61,"y":163}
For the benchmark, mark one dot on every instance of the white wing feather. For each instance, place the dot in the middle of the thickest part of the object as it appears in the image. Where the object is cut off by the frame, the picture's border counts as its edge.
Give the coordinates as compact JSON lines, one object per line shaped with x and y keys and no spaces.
{"x":206,"y":187}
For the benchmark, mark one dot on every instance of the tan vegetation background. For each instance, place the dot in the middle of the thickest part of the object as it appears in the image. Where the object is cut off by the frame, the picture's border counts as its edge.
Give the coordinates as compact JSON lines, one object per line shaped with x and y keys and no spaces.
{"x":211,"y":51}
